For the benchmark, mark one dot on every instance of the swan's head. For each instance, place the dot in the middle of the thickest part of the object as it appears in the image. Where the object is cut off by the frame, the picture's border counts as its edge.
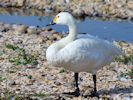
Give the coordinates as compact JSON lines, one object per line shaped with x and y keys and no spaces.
{"x":63,"y":18}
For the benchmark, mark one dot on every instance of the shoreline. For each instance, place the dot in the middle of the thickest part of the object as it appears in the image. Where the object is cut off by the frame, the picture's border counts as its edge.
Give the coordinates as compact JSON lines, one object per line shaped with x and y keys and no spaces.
{"x":98,"y":8}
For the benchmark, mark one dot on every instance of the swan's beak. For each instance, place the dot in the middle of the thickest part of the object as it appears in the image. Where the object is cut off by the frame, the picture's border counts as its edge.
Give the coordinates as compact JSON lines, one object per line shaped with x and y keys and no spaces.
{"x":50,"y":24}
{"x":53,"y":21}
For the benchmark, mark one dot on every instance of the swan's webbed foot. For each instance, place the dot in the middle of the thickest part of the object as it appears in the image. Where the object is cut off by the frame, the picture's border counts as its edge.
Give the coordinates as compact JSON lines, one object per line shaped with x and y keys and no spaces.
{"x":75,"y":93}
{"x":93,"y":94}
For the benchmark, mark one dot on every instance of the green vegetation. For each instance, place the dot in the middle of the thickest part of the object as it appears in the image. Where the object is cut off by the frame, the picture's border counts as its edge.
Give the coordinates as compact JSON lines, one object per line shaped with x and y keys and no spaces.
{"x":29,"y":77}
{"x":10,"y":96}
{"x":21,"y":57}
{"x":125,"y":59}
{"x":123,"y":75}
{"x":7,"y":95}
{"x":62,"y":70}
{"x":12,"y":71}
{"x":2,"y":78}
{"x":129,"y":73}
{"x":1,"y":53}
{"x":41,"y":95}
{"x":19,"y":98}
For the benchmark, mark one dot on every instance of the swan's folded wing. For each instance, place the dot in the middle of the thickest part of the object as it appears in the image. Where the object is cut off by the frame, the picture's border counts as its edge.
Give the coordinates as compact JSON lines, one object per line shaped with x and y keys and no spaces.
{"x":79,"y":50}
{"x":87,"y":50}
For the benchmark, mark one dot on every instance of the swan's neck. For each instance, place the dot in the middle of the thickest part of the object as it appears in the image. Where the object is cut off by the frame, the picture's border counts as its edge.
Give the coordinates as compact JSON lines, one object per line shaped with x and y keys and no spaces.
{"x":71,"y":36}
{"x":68,"y":39}
{"x":72,"y":33}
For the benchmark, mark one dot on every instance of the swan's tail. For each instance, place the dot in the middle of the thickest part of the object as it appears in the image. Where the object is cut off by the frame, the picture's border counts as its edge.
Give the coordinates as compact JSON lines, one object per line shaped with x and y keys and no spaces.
{"x":117,"y":50}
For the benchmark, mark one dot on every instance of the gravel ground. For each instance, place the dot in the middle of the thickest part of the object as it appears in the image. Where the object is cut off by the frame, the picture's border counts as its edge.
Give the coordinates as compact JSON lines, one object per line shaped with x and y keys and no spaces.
{"x":25,"y":74}
{"x":122,"y":9}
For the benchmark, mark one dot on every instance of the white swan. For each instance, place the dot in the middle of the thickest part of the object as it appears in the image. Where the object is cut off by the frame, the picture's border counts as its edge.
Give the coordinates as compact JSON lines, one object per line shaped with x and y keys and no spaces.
{"x":79,"y":53}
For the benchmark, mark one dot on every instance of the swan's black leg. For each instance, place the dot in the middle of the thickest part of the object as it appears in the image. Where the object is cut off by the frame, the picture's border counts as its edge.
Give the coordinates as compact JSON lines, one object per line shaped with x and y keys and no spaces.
{"x":77,"y":91}
{"x":94,"y":93}
{"x":76,"y":84}
{"x":94,"y":80}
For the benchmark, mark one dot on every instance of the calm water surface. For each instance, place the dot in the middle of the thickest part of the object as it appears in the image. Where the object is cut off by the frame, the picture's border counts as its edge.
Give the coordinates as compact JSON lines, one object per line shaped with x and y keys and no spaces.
{"x":110,"y":30}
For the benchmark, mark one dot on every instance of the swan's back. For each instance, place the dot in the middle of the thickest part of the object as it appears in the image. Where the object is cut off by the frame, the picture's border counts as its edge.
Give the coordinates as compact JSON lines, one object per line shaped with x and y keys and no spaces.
{"x":87,"y":54}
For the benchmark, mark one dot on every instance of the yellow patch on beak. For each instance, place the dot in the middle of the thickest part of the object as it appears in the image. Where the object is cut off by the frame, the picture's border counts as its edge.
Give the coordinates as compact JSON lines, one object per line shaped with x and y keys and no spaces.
{"x":55,"y":19}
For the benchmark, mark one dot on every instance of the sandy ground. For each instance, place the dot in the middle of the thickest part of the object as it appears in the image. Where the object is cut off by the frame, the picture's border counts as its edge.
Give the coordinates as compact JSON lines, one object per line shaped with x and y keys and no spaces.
{"x":26,"y":79}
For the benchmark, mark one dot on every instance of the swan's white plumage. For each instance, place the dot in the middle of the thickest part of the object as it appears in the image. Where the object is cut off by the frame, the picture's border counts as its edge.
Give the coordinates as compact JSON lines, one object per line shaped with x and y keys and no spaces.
{"x":85,"y":53}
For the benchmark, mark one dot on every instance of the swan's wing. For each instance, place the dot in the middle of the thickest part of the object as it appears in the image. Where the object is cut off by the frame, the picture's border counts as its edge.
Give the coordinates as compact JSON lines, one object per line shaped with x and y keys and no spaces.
{"x":87,"y":50}
{"x":100,"y":42}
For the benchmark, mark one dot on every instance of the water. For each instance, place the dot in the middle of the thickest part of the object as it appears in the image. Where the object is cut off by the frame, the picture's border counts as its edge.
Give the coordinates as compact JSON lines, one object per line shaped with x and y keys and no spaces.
{"x":110,"y":30}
